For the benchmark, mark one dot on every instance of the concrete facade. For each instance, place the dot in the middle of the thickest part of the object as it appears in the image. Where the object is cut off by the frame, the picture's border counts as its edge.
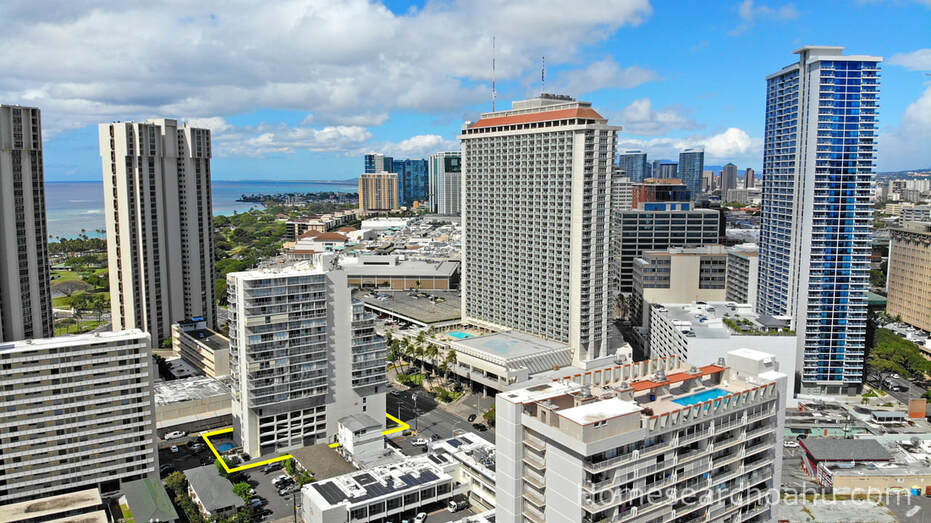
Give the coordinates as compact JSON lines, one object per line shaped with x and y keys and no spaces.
{"x":632,"y":442}
{"x":536,"y":221}
{"x":159,"y":216}
{"x":25,"y":299}
{"x":379,"y":192}
{"x":77,"y":411}
{"x":302,"y":356}
{"x":908,"y":282}
{"x":446,"y":183}
{"x":743,"y":273}
{"x":204,"y":349}
{"x":678,"y":275}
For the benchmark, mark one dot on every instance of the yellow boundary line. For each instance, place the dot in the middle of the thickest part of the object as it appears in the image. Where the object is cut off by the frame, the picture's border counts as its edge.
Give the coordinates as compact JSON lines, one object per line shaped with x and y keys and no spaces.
{"x":207,"y":435}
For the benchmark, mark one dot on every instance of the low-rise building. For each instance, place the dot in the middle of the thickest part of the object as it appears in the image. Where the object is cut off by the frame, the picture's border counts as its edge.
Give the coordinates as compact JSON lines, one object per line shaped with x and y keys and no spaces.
{"x":211,"y":492}
{"x":201,"y":347}
{"x":656,"y":440}
{"x":148,"y":501}
{"x":678,"y":275}
{"x":192,"y":404}
{"x":360,"y":439}
{"x":820,"y":454}
{"x":393,"y":272}
{"x":704,"y":331}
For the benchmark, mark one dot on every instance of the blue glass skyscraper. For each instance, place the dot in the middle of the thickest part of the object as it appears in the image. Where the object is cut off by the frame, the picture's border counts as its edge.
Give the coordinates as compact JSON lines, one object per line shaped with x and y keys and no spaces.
{"x":413,"y":180}
{"x":819,"y":148}
{"x":376,"y":163}
{"x":691,"y":167}
{"x":634,"y":164}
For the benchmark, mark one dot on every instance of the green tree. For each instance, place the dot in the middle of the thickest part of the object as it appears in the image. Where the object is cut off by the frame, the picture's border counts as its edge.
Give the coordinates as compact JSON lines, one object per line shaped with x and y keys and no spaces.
{"x":242,"y":490}
{"x":176,"y":482}
{"x":489,"y":415}
{"x":220,"y":468}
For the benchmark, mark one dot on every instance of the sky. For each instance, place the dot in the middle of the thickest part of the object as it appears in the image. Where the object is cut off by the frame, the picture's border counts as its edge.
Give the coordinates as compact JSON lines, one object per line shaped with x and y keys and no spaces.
{"x":299,"y":90}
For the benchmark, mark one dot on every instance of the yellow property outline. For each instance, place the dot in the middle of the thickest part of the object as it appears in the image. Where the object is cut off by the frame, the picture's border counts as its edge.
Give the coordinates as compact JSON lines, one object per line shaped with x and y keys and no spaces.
{"x":206,"y":436}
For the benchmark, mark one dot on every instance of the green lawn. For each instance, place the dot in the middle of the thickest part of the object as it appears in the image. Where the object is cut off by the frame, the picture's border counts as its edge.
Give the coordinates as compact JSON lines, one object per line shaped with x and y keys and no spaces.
{"x":127,"y":514}
{"x":64,"y":302}
{"x":78,"y":328}
{"x":65,"y":275}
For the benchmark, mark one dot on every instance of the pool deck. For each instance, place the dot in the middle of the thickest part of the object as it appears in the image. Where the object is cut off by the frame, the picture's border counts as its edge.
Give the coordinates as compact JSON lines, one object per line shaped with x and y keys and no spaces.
{"x":700,"y":397}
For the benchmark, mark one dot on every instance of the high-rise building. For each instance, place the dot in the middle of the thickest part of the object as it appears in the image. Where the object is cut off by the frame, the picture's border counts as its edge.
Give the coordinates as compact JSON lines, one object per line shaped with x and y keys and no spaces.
{"x":413,"y":180}
{"x":25,"y":300}
{"x":909,"y":280}
{"x":819,"y":148}
{"x":536,"y":221}
{"x":159,"y":216}
{"x":728,"y":179}
{"x":707,"y":181}
{"x":445,"y":182}
{"x":664,"y":169}
{"x":303,"y":355}
{"x":376,"y":163}
{"x":743,"y":273}
{"x":634,"y":164}
{"x":657,"y":440}
{"x":78,"y":412}
{"x":378,"y":191}
{"x":655,"y":194}
{"x":690,"y":169}
{"x":749,"y":178}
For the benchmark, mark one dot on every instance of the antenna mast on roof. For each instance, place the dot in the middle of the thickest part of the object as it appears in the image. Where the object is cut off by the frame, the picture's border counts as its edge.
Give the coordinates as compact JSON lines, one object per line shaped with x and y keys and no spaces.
{"x":542,"y":75}
{"x":494,"y":93}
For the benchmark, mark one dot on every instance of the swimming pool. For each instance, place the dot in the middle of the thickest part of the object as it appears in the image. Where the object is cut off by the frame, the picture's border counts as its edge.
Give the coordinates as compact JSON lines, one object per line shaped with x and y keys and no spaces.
{"x":459,"y":335}
{"x":704,"y":395}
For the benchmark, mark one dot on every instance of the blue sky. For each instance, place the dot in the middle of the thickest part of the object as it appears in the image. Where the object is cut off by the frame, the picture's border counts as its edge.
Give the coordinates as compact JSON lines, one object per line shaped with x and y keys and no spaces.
{"x":300,"y":89}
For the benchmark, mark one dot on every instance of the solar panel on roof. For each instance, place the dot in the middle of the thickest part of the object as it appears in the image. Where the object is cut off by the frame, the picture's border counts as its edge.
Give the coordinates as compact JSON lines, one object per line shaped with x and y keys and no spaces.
{"x":455,"y":443}
{"x":330,"y":492}
{"x":365,"y":479}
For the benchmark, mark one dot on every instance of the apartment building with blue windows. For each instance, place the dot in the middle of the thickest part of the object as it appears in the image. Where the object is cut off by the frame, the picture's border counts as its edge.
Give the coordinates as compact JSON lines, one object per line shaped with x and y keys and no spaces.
{"x":634,"y":164}
{"x":691,"y":167}
{"x":413,"y":180}
{"x":819,"y":149}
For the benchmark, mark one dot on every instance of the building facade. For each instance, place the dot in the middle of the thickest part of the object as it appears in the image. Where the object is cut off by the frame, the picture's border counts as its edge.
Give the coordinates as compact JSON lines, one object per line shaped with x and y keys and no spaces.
{"x":816,"y":223}
{"x":446,"y":182}
{"x":690,"y":169}
{"x":634,"y":165}
{"x":201,"y":347}
{"x":536,"y":221}
{"x":909,"y":275}
{"x":413,"y":180}
{"x":678,"y":275}
{"x":376,"y":163}
{"x":749,"y":178}
{"x":25,"y":299}
{"x":159,"y":216}
{"x":639,"y":442}
{"x":728,"y":179}
{"x":743,"y":273}
{"x":302,"y":356}
{"x":379,"y":192}
{"x":78,"y":413}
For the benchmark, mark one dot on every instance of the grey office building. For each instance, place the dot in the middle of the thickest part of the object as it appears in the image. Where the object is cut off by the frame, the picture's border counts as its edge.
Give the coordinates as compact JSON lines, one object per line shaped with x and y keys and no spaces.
{"x":634,"y":164}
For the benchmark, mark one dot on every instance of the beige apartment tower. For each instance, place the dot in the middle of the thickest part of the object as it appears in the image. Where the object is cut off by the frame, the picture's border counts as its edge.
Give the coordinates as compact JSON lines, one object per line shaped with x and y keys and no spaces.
{"x":536,"y":218}
{"x":25,"y":301}
{"x":378,"y":191}
{"x":156,"y":178}
{"x":909,"y":280}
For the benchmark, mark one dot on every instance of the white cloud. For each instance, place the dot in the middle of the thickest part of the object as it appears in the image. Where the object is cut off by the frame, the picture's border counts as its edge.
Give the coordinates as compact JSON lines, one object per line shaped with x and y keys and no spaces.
{"x":907,"y":146}
{"x":419,"y":146}
{"x":919,"y":60}
{"x":348,"y":62}
{"x":750,"y":14}
{"x":640,"y":118}
{"x":265,"y":139}
{"x":731,"y":145}
{"x":603,"y":74}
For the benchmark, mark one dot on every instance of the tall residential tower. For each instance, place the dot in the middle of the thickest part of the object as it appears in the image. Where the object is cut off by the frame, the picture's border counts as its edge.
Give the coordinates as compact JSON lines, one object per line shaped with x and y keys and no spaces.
{"x":691,"y":167}
{"x":156,"y":184}
{"x":819,"y":148}
{"x":25,"y":301}
{"x":634,"y":165}
{"x":445,"y":182}
{"x":536,"y":221}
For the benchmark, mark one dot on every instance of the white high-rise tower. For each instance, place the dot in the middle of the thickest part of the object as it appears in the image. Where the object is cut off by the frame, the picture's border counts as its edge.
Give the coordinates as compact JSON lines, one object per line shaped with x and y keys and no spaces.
{"x":820,"y":144}
{"x":156,"y":180}
{"x":536,"y":221}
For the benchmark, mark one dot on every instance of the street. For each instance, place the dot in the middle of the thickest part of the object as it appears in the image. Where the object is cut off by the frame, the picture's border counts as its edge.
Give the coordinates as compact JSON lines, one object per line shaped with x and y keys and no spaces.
{"x":432,"y":419}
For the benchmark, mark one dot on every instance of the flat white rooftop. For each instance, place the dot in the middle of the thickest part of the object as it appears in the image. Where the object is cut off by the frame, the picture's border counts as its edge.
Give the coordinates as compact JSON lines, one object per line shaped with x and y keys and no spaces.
{"x":600,"y":410}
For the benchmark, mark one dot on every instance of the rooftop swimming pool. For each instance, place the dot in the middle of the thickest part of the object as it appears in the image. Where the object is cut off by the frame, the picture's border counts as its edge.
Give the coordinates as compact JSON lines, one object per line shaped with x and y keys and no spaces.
{"x":459,"y":335}
{"x":704,"y":395}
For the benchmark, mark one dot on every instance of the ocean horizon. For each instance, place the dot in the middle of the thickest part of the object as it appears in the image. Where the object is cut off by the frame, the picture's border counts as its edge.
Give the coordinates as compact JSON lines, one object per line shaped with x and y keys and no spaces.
{"x":76,"y":207}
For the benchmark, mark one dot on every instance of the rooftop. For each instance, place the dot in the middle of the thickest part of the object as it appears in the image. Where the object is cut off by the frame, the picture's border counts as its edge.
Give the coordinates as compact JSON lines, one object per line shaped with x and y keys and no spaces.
{"x":210,"y":338}
{"x":75,"y":340}
{"x":824,"y":449}
{"x":214,"y":491}
{"x":600,"y":410}
{"x":515,"y":349}
{"x":432,"y":269}
{"x":148,"y":500}
{"x":39,"y":508}
{"x":419,"y":309}
{"x":379,"y":481}
{"x":719,"y":319}
{"x":357,"y":422}
{"x":324,"y":461}
{"x":173,"y":391}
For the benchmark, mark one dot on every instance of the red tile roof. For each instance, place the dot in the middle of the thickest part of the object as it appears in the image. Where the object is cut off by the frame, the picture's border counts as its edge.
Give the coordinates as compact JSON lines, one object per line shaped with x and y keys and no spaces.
{"x":331,"y":237}
{"x":347,"y":228}
{"x":309,"y":234}
{"x":676,"y":378}
{"x":546,"y":116}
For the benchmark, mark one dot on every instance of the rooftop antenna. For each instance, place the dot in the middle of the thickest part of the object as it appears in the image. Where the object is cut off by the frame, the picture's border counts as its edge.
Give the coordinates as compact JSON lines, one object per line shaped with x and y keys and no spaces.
{"x":543,"y":75}
{"x":494,"y":93}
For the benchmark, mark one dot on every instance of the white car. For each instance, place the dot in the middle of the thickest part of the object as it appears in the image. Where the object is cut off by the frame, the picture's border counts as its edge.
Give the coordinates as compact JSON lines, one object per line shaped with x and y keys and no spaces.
{"x":420,"y":442}
{"x":175,"y":435}
{"x":174,"y":449}
{"x":790,"y":444}
{"x":421,"y":517}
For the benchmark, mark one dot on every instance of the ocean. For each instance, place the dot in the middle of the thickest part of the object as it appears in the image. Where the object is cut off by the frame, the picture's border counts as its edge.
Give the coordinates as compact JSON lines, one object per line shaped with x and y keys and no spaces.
{"x":73,"y":208}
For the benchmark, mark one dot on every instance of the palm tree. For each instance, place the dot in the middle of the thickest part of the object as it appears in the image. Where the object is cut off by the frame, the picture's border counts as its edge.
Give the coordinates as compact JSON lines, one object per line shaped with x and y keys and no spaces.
{"x":451,"y":360}
{"x":419,"y":351}
{"x":431,"y":352}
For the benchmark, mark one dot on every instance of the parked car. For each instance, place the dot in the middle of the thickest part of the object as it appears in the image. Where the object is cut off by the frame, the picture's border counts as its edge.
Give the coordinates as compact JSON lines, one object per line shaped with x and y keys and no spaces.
{"x":421,"y":517}
{"x":175,"y":434}
{"x":395,"y":392}
{"x":165,"y":470}
{"x":197,"y":447}
{"x":435,"y":437}
{"x":272,"y":467}
{"x":420,"y":442}
{"x":174,"y":449}
{"x":256,"y":503}
{"x":479,"y":427}
{"x":471,"y":418}
{"x":455,"y":505}
{"x":281,"y":480}
{"x":287,"y":490}
{"x":790,"y":444}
